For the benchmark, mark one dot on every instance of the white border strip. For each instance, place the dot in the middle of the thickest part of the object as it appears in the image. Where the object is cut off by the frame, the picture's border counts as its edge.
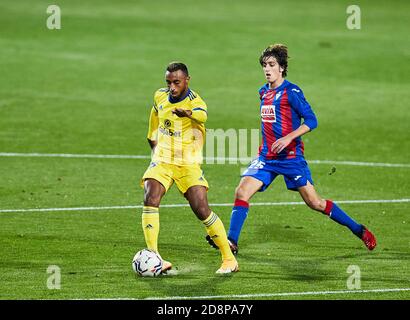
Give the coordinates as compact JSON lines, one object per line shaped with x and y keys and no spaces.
{"x":178,"y":205}
{"x":207,"y":159}
{"x":264,"y":295}
{"x":283,"y":294}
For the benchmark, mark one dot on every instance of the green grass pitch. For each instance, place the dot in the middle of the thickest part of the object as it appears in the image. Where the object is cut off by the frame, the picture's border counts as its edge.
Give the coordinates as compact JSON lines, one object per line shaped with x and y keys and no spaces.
{"x":87,"y":89}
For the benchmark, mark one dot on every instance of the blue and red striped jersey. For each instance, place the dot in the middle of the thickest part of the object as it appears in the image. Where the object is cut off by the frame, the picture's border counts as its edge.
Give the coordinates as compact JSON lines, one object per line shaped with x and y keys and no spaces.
{"x":282,"y":110}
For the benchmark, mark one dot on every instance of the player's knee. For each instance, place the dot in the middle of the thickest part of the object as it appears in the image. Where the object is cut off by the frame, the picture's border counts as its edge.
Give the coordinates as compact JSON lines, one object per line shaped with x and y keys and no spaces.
{"x":152,"y":200}
{"x":203,"y":213}
{"x":315,"y":204}
{"x":199,"y":206}
{"x":201,"y":209}
{"x":241,"y":193}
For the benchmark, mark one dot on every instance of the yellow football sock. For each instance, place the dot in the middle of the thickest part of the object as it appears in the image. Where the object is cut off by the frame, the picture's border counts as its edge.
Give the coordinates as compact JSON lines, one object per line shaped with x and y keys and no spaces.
{"x":216,"y":230}
{"x":150,"y":225}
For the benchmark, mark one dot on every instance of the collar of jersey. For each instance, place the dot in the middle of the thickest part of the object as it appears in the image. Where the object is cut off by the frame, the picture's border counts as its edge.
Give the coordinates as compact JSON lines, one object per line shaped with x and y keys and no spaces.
{"x":172,"y":100}
{"x":284,"y":83}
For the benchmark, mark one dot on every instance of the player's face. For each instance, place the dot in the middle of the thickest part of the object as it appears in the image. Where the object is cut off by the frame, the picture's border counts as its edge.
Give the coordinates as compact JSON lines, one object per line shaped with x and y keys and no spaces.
{"x":177,"y":83}
{"x":272,"y":69}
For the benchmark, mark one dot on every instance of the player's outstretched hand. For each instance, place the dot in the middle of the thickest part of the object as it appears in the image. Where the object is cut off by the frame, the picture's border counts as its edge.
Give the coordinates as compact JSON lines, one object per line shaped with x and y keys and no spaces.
{"x":182,"y":112}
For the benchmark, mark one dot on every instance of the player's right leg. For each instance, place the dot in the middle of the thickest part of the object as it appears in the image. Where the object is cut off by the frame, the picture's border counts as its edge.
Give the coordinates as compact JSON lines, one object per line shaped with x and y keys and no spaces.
{"x":153,"y":193}
{"x":156,"y":181}
{"x":247,"y":187}
{"x":257,"y":177}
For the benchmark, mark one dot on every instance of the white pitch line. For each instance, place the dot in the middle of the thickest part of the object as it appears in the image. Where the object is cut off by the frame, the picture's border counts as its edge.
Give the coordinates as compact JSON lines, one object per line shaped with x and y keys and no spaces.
{"x":71,"y":155}
{"x":178,"y":205}
{"x":265,"y":295}
{"x":363,"y":164}
{"x":280,"y":294}
{"x":207,"y":160}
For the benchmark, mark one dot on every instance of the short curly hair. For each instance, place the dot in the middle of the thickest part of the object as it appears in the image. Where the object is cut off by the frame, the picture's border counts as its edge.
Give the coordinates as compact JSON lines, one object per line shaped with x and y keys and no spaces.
{"x":176,"y":65}
{"x":280,"y":53}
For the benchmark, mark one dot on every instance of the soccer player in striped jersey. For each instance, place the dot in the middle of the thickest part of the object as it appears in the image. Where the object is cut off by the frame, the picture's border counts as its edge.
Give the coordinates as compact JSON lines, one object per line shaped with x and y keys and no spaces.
{"x":282,"y":108}
{"x":176,"y":135}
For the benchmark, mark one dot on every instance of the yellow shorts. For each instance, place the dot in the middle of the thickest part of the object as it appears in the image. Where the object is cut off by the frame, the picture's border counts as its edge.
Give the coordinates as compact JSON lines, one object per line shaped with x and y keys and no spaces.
{"x":184,"y":176}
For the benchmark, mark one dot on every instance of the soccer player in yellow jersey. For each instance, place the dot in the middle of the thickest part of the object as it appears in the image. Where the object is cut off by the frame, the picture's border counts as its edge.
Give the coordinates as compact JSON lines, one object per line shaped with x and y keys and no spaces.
{"x":176,"y":135}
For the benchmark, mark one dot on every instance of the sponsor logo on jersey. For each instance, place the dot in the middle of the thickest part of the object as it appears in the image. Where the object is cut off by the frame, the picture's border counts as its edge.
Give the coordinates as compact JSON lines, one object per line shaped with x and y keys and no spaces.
{"x":297,"y":90}
{"x":169,"y":132}
{"x":268,"y":113}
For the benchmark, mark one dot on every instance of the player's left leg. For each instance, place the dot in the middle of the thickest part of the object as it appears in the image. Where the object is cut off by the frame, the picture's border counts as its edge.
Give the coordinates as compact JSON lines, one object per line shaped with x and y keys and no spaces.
{"x":197,"y":197}
{"x":332,"y":210}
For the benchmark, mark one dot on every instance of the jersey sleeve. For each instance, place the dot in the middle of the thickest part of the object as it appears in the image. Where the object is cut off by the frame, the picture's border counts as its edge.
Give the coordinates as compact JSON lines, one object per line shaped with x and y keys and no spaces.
{"x":199,"y":109}
{"x":153,"y":123}
{"x":302,"y":107}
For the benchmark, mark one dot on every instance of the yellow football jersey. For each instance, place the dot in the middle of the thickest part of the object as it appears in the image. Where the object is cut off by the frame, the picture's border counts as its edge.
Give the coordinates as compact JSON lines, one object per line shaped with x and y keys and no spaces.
{"x":179,"y":140}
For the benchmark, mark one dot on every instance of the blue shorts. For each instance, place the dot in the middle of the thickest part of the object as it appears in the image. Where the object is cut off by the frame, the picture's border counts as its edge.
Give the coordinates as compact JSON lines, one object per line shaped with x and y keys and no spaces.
{"x":295,"y":172}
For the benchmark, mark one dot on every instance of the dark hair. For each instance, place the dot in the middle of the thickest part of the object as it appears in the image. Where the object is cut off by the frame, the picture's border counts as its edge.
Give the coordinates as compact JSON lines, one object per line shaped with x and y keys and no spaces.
{"x":175,"y":66}
{"x":278,"y":51}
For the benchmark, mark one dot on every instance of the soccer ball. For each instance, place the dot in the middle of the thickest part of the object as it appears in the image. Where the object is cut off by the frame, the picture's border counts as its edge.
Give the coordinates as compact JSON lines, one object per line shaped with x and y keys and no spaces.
{"x":147,"y":263}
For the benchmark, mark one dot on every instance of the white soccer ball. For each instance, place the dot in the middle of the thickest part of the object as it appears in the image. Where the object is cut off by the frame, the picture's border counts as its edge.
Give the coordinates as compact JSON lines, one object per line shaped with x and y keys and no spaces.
{"x":147,"y":263}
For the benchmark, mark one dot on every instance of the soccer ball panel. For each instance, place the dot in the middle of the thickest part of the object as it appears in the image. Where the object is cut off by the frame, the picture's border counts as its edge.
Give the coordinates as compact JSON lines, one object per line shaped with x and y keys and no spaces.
{"x":147,"y":263}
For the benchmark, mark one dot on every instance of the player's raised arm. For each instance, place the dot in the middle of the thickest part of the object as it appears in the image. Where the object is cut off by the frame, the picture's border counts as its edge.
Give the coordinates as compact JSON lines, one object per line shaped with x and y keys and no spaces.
{"x":199,"y":114}
{"x":153,"y":127}
{"x":199,"y":109}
